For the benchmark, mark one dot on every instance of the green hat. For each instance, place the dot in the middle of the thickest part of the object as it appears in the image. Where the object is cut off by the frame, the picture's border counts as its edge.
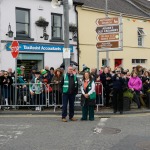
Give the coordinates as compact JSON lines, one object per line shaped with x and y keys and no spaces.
{"x":43,"y":71}
{"x":18,"y":71}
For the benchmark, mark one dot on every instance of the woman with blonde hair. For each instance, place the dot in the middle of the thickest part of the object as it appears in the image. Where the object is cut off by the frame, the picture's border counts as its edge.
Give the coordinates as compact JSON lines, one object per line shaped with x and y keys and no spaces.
{"x":135,"y":84}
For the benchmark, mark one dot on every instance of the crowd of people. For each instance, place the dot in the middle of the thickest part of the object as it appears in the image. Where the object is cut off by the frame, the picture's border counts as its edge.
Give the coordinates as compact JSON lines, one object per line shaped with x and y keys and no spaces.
{"x":65,"y":86}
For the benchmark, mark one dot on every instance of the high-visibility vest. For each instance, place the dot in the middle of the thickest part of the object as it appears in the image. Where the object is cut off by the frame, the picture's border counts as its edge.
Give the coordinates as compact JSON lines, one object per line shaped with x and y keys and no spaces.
{"x":66,"y":83}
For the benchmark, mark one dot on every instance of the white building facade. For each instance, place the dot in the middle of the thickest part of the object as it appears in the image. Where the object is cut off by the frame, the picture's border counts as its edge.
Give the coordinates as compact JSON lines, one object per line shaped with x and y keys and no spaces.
{"x":34,"y":49}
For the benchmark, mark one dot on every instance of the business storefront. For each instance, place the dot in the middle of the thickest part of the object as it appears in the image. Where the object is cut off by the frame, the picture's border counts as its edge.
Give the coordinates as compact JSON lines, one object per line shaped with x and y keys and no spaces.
{"x":31,"y":54}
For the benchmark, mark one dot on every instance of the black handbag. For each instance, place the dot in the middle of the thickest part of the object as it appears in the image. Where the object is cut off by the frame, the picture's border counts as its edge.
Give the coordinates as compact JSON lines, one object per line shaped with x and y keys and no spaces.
{"x":83,"y":99}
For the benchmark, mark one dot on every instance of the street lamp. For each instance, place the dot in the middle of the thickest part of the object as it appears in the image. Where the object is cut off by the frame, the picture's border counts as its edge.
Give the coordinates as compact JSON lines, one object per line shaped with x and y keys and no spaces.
{"x":10,"y":33}
{"x":45,"y":35}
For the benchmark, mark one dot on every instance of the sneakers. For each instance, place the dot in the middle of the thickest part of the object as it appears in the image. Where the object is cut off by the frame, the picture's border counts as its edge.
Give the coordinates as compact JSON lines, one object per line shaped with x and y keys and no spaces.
{"x":64,"y":120}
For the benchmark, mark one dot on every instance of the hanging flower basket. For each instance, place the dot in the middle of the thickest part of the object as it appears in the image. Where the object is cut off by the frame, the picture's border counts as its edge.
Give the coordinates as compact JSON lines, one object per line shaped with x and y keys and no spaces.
{"x":72,"y":28}
{"x":42,"y":22}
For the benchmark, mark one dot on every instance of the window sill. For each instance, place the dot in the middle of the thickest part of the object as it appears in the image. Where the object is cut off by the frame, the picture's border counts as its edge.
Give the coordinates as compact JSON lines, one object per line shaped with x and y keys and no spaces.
{"x":56,"y":40}
{"x":24,"y":38}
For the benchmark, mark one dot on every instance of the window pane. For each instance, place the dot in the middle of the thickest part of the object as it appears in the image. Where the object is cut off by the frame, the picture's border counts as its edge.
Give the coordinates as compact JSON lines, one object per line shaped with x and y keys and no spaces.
{"x":57,"y":21}
{"x":133,"y":61}
{"x":137,"y":60}
{"x":22,"y":29}
{"x":56,"y":33}
{"x":139,"y":41}
{"x":22,"y":16}
{"x":143,"y":61}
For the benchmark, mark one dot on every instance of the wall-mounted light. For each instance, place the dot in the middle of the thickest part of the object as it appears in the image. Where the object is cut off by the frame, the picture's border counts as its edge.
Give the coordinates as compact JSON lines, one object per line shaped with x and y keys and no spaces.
{"x":10,"y":33}
{"x":45,"y":35}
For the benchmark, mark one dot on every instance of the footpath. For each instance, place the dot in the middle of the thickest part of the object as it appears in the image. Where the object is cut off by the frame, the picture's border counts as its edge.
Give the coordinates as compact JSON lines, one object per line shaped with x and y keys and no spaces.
{"x":51,"y":111}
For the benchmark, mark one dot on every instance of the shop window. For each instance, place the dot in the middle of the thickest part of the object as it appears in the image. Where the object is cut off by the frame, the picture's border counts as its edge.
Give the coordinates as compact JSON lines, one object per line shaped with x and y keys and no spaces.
{"x":56,"y":26}
{"x":139,"y":61}
{"x":22,"y":22}
{"x":141,"y":35}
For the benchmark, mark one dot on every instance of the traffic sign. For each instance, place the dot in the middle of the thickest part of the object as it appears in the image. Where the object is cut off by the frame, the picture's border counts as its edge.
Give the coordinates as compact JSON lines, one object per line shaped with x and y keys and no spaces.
{"x":112,"y":44}
{"x":106,"y":21}
{"x":108,"y":37}
{"x":15,"y":49}
{"x":107,"y":29}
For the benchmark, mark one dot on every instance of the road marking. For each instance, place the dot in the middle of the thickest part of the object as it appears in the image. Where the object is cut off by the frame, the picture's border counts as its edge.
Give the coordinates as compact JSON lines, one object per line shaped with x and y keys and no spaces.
{"x":100,"y":125}
{"x":10,"y":132}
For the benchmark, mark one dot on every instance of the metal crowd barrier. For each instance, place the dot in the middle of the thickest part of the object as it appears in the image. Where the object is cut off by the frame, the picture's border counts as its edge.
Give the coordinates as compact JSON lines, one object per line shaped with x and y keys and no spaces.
{"x":99,"y":94}
{"x":54,"y":97}
{"x":18,"y":95}
{"x":50,"y":96}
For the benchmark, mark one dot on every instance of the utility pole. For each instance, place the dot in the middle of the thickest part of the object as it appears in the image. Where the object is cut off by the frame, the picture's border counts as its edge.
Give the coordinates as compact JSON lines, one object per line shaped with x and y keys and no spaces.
{"x":106,"y":14}
{"x":66,"y":59}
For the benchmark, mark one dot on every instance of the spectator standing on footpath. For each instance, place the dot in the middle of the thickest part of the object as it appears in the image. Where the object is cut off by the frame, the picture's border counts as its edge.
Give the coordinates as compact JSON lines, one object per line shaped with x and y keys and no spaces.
{"x":6,"y":82}
{"x":57,"y":78}
{"x":118,"y":85}
{"x":69,"y":85}
{"x":106,"y":81}
{"x":88,"y":97}
{"x":135,"y":84}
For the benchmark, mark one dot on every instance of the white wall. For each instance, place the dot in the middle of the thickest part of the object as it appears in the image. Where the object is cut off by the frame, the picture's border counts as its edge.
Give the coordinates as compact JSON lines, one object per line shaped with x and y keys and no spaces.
{"x":7,"y":15}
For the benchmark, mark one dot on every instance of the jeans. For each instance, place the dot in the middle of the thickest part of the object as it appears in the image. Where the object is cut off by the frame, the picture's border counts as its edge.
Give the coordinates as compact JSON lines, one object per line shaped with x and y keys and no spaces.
{"x":71,"y":99}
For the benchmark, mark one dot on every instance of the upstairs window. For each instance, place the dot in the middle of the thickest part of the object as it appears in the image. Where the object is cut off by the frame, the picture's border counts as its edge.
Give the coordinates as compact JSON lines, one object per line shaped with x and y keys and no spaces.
{"x":56,"y":26}
{"x":22,"y":22}
{"x":141,"y":35}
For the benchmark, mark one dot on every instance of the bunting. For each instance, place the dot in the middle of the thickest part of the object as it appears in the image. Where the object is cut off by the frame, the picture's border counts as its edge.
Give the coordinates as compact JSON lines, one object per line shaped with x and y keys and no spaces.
{"x":136,"y":20}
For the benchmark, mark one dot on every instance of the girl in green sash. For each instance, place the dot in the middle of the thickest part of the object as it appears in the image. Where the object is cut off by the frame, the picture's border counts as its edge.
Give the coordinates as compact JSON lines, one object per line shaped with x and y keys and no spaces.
{"x":88,"y":97}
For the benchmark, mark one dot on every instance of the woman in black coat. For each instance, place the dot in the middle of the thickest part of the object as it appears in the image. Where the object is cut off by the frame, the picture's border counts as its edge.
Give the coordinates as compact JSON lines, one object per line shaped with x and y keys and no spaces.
{"x":6,"y":82}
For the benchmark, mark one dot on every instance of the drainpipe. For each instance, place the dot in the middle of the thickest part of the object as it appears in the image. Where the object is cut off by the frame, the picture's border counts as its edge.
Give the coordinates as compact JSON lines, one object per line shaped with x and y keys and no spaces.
{"x":78,"y":48}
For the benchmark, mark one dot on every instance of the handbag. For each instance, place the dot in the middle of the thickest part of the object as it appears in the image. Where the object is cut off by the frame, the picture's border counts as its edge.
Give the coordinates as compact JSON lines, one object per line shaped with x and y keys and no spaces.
{"x":83,"y":99}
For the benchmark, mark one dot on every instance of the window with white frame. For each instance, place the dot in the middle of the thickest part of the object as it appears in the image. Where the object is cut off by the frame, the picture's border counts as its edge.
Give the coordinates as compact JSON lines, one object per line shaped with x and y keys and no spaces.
{"x":139,"y":61}
{"x":56,"y":25}
{"x":22,"y":22}
{"x":141,"y":35}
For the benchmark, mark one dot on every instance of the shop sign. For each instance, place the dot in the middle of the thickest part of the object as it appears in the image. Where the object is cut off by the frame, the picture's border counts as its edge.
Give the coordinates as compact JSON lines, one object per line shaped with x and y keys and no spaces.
{"x":39,"y":47}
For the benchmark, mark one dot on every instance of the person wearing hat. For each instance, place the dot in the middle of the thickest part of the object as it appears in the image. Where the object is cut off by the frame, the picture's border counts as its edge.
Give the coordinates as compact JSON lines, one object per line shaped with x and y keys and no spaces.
{"x":56,"y":82}
{"x":36,"y":91}
{"x":23,"y":74}
{"x":69,"y":85}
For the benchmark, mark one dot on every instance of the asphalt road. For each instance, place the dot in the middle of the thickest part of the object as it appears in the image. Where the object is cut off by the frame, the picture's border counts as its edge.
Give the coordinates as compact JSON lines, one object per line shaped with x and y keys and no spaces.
{"x":47,"y":132}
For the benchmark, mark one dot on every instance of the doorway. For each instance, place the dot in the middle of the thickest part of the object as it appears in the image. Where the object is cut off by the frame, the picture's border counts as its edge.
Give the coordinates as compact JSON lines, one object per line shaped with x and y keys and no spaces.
{"x":118,"y":62}
{"x":29,"y":60}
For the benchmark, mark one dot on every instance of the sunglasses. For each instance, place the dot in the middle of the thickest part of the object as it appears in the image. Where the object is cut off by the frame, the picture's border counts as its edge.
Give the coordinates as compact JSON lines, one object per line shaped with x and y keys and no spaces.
{"x":6,"y":74}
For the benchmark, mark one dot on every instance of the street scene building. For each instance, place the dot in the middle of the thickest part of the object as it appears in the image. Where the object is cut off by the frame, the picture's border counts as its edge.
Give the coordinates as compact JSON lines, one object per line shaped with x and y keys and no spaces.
{"x":39,"y":29}
{"x":136,"y":31}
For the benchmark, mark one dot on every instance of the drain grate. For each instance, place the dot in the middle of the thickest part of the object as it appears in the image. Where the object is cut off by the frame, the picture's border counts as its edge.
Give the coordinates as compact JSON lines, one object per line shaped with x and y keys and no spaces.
{"x":107,"y":130}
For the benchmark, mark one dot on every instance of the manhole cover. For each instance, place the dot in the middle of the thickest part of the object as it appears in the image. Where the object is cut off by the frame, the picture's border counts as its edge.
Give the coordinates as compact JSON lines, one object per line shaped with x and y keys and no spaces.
{"x":144,"y":145}
{"x":106,"y":130}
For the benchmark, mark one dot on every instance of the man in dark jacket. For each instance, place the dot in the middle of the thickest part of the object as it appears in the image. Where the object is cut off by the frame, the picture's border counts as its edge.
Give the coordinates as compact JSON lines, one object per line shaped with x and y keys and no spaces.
{"x":69,"y":89}
{"x":105,"y":77}
{"x":118,"y":85}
